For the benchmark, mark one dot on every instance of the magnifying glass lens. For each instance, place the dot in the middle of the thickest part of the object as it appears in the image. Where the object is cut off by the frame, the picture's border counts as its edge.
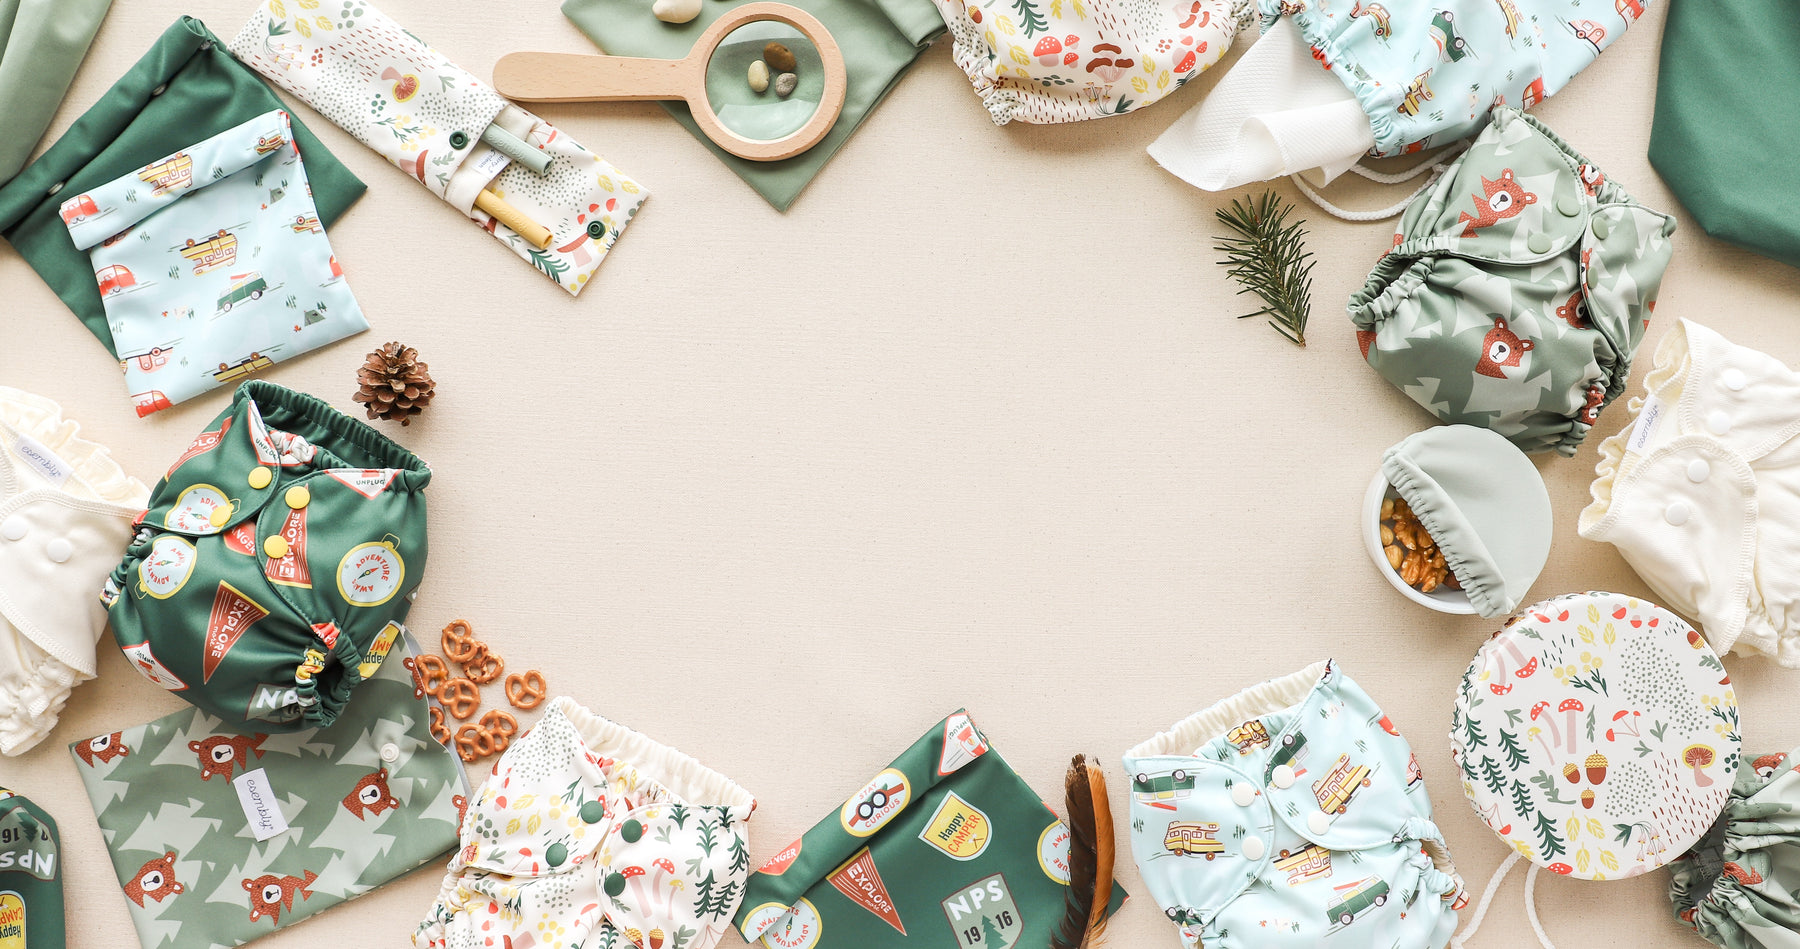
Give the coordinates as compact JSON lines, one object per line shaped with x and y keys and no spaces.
{"x":766,"y":115}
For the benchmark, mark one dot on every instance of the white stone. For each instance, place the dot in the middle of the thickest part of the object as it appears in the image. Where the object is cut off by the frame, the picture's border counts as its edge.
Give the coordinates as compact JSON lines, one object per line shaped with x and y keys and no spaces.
{"x":759,"y":76}
{"x":676,"y":11}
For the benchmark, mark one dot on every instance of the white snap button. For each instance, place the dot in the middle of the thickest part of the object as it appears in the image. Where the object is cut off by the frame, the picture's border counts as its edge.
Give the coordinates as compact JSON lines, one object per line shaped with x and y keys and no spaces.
{"x":14,"y":528}
{"x":1718,"y":422}
{"x":1677,"y":513}
{"x":1318,"y":823}
{"x":1282,"y":776}
{"x":1698,"y":469}
{"x":1242,"y":794}
{"x":1253,"y":848}
{"x":1733,"y":379}
{"x":59,"y":550}
{"x":390,"y":753}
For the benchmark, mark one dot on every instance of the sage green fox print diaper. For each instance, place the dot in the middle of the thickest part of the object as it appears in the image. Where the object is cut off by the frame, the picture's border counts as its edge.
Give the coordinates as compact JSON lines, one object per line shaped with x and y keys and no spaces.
{"x":1517,"y":289}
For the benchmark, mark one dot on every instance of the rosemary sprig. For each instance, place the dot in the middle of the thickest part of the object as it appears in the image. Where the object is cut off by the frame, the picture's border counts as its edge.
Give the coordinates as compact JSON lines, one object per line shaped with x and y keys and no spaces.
{"x":1269,"y":258}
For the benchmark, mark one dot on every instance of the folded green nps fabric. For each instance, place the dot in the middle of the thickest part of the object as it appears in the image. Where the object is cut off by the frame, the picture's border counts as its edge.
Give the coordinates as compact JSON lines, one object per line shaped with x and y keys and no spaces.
{"x":185,"y":89}
{"x":880,"y":40}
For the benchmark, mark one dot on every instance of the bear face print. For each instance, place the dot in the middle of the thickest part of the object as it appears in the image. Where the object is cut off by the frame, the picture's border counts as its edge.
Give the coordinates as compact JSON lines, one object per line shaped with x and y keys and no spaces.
{"x":270,"y":894}
{"x":102,"y":749}
{"x":154,"y":880}
{"x":1500,"y":348}
{"x":370,"y":796}
{"x":1500,"y":200}
{"x":223,"y":754}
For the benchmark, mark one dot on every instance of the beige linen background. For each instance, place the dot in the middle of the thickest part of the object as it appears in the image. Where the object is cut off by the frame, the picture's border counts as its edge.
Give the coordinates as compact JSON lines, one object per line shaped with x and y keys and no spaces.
{"x":973,"y":425}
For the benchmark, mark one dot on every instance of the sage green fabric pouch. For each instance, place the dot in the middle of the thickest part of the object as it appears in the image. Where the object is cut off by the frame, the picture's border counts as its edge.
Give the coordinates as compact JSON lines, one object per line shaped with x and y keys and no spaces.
{"x":187,"y":88}
{"x":1483,"y":502}
{"x":880,"y":40}
{"x":1725,"y":124}
{"x":42,"y":44}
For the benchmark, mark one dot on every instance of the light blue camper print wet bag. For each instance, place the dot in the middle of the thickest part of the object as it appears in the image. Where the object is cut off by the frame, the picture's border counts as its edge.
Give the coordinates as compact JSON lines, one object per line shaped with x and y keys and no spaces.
{"x":212,"y":264}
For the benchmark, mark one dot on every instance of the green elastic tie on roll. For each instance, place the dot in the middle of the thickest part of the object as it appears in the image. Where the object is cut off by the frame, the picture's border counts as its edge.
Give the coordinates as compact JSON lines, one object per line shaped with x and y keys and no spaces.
{"x":516,"y":148}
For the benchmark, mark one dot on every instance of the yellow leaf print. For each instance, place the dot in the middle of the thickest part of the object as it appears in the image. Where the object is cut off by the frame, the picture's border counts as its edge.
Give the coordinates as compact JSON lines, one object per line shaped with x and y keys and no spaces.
{"x":1595,"y":830}
{"x":629,"y":186}
{"x":989,"y":36}
{"x":606,"y":183}
{"x":1610,"y":636}
{"x":1609,"y":861}
{"x":276,"y":7}
{"x":1581,"y":860}
{"x":523,"y":802}
{"x":1080,"y":11}
{"x":1019,"y":55}
{"x":1149,"y":65}
{"x":512,"y":827}
{"x":1055,"y":9}
{"x":309,"y":4}
{"x":302,"y":28}
{"x":323,"y":22}
{"x":1573,"y":829}
{"x":1138,"y":83}
{"x":1587,"y":635}
{"x":1162,"y":79}
{"x":532,"y":825}
{"x":1593,"y":613}
{"x":1006,"y":25}
{"x":1522,"y":847}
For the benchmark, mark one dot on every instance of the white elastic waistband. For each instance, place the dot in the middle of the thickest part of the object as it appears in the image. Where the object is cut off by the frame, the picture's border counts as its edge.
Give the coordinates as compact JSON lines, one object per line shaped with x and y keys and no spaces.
{"x":1254,"y":702}
{"x":683,"y":776}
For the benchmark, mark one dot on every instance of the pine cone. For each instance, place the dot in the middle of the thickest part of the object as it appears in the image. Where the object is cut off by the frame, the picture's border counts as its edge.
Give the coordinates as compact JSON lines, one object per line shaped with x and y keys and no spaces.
{"x":393,"y":383}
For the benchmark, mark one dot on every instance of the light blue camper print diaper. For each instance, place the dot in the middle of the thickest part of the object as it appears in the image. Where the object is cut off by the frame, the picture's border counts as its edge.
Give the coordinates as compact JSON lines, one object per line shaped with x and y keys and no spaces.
{"x":1291,"y":815}
{"x":212,"y":263}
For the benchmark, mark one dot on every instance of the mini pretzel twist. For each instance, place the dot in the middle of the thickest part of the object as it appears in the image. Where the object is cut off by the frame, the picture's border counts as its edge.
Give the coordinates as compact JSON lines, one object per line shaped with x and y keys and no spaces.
{"x":501,"y":724}
{"x":460,"y":644}
{"x":438,"y":731}
{"x":484,"y":668}
{"x":412,"y":666}
{"x":474,"y":742}
{"x":460,"y":697}
{"x":431,"y":674}
{"x":526,"y":691}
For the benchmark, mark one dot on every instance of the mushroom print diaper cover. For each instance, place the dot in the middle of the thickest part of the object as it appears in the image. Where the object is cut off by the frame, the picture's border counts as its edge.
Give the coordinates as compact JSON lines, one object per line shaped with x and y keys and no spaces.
{"x":1291,"y":815}
{"x":1596,"y":734}
{"x":589,"y":834}
{"x":275,"y":564}
{"x":1517,"y":289}
{"x":212,"y":263}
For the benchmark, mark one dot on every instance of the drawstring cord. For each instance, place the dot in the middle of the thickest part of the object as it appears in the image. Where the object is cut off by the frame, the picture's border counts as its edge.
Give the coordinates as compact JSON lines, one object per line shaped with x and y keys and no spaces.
{"x":1487,"y":899}
{"x":1436,"y":165}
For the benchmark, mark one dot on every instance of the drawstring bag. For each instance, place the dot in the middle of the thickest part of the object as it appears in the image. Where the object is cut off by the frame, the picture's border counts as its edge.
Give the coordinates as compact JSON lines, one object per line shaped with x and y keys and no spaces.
{"x":1716,"y":125}
{"x":1419,"y":75}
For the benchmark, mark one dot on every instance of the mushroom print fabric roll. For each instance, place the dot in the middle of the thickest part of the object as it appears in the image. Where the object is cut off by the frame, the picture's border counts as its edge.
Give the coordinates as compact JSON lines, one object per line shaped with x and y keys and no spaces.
{"x":1597,"y":734}
{"x":590,"y":834}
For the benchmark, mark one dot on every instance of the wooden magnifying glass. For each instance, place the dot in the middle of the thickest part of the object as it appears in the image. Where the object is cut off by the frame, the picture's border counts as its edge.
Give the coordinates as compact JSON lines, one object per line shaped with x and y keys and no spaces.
{"x":570,"y":77}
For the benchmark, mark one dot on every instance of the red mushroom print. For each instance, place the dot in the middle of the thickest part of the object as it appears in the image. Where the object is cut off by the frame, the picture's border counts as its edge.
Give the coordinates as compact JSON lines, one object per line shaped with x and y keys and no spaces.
{"x":1049,"y":51}
{"x":1573,"y":707}
{"x":1537,"y":734}
{"x":1187,"y":61}
{"x":664,"y":867}
{"x":1698,"y":757}
{"x":634,"y":877}
{"x":1562,"y":869}
{"x":1624,"y":727}
{"x":1550,"y":723}
{"x":1525,"y":671}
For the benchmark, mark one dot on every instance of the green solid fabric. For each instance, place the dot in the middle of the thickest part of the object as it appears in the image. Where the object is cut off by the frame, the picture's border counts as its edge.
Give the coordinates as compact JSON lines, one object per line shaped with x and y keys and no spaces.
{"x":880,"y":39}
{"x":185,"y":89}
{"x":946,"y":847}
{"x":1483,"y":502}
{"x":42,"y":43}
{"x":1725,"y":127}
{"x":31,"y":893}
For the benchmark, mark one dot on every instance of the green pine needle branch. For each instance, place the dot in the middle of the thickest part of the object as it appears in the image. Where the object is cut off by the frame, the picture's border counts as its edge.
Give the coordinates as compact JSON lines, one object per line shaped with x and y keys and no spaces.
{"x":1269,"y":258}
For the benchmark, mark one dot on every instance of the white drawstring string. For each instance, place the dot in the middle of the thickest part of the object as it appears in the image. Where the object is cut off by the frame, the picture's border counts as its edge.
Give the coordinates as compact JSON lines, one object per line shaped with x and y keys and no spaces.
{"x":1487,"y":899}
{"x":1436,"y":165}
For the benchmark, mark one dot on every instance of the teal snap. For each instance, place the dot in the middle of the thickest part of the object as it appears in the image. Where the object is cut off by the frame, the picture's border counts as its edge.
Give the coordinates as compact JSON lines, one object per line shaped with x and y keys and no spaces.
{"x":1538,"y":243}
{"x":458,"y":139}
{"x":1600,"y":228}
{"x":1569,"y":205}
{"x":596,"y":230}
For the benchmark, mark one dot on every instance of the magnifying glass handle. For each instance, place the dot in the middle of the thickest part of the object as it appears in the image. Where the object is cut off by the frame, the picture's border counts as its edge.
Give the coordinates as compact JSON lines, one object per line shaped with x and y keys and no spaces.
{"x":573,"y":77}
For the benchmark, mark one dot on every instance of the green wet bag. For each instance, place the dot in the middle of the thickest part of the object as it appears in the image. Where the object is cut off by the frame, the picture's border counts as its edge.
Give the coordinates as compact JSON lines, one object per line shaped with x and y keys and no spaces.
{"x":186,"y":88}
{"x":31,"y":898}
{"x":946,"y":847}
{"x":1725,"y":124}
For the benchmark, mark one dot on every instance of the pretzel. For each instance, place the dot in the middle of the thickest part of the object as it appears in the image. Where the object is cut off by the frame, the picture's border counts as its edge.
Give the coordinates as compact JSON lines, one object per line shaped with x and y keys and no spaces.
{"x":501,"y":724}
{"x":474,"y":742}
{"x":431,"y":674}
{"x":526,"y":691}
{"x":460,"y":697}
{"x":485,"y":668}
{"x":412,"y":666}
{"x":438,"y":731}
{"x":460,"y":644}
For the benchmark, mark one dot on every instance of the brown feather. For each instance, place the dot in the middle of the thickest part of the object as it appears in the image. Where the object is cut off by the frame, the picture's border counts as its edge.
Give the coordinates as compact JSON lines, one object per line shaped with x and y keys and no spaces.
{"x":1091,"y":856}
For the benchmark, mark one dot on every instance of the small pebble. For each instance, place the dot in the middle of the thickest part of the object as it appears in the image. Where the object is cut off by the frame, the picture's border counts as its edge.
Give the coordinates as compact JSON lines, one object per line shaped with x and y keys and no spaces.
{"x":676,"y":11}
{"x":759,"y":76}
{"x":779,"y":57}
{"x":785,"y":83}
